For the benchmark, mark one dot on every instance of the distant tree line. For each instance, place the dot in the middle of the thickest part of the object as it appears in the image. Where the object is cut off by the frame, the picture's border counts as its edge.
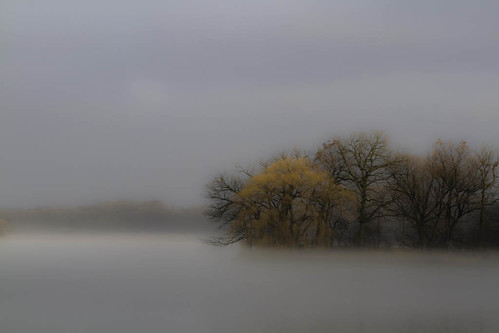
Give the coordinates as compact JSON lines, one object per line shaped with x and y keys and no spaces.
{"x":149,"y":216}
{"x":357,"y":191}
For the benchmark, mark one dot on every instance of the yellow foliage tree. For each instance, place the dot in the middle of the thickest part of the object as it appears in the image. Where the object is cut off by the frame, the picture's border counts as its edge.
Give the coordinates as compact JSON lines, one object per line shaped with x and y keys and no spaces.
{"x":290,"y":203}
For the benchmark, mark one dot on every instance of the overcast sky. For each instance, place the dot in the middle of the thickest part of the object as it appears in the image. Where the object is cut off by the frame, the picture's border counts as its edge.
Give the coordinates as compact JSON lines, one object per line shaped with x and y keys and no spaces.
{"x":104,"y":100}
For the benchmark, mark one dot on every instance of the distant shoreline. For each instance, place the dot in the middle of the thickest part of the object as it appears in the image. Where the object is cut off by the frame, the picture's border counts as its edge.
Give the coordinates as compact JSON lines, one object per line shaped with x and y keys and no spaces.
{"x":106,"y":217}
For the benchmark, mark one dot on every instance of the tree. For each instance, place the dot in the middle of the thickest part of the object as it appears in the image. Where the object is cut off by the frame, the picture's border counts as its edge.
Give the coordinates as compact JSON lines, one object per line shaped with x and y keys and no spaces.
{"x":436,"y":193}
{"x":487,"y":163}
{"x":457,"y":184}
{"x":296,"y":200}
{"x":415,"y":196}
{"x":289,"y":203}
{"x":360,"y":163}
{"x":225,"y":206}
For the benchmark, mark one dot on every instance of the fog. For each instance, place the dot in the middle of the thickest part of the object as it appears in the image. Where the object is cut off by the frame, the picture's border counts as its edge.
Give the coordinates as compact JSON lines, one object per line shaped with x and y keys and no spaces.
{"x":179,"y":284}
{"x":114,"y":115}
{"x":108,"y":100}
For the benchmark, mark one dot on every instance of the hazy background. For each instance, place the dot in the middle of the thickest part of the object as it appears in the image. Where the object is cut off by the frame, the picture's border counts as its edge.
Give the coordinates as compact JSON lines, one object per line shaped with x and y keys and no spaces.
{"x":104,"y":100}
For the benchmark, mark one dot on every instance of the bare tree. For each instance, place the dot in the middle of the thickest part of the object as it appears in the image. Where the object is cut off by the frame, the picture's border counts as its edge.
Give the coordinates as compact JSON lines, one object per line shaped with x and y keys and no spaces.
{"x":487,"y":163}
{"x":456,"y":175}
{"x":360,"y":163}
{"x":224,"y":208}
{"x":414,"y":196}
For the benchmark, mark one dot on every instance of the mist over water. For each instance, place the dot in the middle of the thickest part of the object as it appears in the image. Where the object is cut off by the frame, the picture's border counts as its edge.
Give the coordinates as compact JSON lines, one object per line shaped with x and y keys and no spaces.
{"x":128,"y":283}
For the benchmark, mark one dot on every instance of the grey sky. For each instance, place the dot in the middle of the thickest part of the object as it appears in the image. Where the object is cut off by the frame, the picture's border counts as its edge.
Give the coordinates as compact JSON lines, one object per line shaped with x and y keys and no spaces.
{"x":104,"y":100}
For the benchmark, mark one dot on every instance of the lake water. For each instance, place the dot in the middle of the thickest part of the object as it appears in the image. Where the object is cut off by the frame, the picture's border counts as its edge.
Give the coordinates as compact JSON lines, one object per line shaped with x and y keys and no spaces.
{"x":127,"y":283}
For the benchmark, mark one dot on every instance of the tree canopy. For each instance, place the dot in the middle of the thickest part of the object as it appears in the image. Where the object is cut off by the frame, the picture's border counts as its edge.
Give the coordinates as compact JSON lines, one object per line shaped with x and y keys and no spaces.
{"x":356,"y":190}
{"x":290,"y":203}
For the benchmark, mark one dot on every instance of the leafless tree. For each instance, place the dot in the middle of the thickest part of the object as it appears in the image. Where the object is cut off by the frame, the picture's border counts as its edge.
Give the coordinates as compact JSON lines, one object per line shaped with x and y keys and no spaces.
{"x":415,"y":196}
{"x":487,"y":172}
{"x":456,"y":174}
{"x":360,"y":163}
{"x":224,"y":208}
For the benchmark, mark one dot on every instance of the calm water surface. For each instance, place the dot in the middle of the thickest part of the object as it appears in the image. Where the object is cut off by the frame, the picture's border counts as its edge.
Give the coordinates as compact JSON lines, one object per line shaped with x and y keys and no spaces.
{"x":178,"y":284}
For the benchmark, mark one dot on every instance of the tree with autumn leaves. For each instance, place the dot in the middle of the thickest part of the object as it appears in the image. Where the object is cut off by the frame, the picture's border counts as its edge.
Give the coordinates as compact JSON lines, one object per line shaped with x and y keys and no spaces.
{"x":352,"y":186}
{"x":291,"y":202}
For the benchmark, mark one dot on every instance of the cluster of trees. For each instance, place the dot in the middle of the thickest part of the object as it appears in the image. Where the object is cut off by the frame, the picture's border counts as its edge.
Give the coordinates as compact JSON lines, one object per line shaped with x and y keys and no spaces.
{"x":357,"y":191}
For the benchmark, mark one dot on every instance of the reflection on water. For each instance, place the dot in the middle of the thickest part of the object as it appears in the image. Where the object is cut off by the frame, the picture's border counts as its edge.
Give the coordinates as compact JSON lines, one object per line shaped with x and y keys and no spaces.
{"x":165,"y":284}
